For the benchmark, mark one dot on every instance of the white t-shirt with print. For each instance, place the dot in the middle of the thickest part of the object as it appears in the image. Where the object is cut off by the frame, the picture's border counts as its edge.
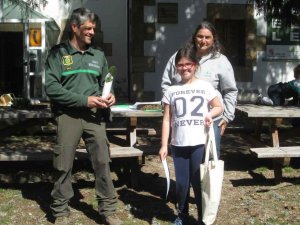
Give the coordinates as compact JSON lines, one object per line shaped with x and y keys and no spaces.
{"x":189,"y":105}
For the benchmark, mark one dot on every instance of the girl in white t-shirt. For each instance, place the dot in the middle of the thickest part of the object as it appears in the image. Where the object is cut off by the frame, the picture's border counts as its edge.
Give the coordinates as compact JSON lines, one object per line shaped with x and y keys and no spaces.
{"x":189,"y":106}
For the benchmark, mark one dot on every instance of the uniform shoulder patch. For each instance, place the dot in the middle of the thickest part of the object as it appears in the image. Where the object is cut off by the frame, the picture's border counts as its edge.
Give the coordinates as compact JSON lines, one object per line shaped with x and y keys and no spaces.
{"x":67,"y":60}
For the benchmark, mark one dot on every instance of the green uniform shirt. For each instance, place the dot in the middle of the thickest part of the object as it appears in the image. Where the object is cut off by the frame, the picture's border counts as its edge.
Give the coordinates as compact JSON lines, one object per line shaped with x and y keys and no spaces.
{"x":72,"y":76}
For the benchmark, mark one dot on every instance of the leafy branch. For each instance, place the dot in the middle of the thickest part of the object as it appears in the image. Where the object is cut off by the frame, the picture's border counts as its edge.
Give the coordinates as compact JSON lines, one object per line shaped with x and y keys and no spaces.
{"x":33,"y":4}
{"x":288,"y":11}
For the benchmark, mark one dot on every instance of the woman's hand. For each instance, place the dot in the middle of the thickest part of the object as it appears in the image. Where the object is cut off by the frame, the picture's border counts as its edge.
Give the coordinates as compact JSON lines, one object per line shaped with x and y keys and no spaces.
{"x":223,"y":124}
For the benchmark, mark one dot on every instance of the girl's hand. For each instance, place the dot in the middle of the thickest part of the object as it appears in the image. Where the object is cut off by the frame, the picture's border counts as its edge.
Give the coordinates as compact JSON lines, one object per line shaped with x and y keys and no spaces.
{"x":163,"y":153}
{"x":208,"y":120}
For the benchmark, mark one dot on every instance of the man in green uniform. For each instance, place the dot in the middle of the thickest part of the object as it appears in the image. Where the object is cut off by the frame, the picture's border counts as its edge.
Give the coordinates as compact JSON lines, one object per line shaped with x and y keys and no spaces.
{"x":75,"y":73}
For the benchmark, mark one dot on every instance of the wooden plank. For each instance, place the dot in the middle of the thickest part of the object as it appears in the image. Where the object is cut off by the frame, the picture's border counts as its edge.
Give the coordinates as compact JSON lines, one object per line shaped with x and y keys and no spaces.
{"x":41,"y":155}
{"x":25,"y":114}
{"x":128,"y":111}
{"x":136,"y":113}
{"x":266,"y":152}
{"x":120,"y":152}
{"x":9,"y":113}
{"x":276,"y":152}
{"x":123,"y":130}
{"x":252,"y":110}
{"x":293,"y":152}
{"x":37,"y":155}
{"x":109,"y":130}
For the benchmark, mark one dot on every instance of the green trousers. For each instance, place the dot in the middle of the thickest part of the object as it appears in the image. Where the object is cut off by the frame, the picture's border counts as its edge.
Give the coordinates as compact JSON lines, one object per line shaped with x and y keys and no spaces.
{"x":70,"y":128}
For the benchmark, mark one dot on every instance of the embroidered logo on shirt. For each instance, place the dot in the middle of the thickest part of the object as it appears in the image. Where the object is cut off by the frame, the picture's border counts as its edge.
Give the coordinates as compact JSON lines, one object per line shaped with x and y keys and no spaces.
{"x":94,"y":63}
{"x":67,"y":60}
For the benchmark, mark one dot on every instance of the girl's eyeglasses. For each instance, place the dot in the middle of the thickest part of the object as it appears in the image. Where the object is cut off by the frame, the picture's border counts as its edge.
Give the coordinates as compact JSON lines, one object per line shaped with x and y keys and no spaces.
{"x":186,"y":65}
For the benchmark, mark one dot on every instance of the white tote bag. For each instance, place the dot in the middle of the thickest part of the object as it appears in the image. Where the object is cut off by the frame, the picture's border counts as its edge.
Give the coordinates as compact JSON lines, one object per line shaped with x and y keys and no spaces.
{"x":211,"y":174}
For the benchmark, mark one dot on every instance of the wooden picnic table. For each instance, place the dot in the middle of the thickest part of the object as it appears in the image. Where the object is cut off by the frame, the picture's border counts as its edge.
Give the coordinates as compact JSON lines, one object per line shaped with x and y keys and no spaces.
{"x":128,"y":113}
{"x":275,"y":116}
{"x":132,"y":116}
{"x":129,"y":151}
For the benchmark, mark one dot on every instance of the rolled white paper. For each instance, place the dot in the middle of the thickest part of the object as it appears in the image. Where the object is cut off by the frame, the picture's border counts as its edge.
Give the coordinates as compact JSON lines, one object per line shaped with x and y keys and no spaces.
{"x":167,"y":172}
{"x":107,"y":85}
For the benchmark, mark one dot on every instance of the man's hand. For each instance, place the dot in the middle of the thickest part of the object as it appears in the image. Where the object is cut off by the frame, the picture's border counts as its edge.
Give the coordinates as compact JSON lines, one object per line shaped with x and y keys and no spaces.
{"x":222,"y":125}
{"x":110,"y":100}
{"x":97,"y":102}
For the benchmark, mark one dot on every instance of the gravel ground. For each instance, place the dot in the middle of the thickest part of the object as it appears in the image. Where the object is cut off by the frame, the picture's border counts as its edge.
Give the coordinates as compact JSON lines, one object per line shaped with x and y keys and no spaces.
{"x":249,"y":195}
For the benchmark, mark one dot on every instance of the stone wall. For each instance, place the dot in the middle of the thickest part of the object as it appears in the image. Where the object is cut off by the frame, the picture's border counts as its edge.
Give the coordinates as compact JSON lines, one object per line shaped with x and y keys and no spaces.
{"x":140,"y":63}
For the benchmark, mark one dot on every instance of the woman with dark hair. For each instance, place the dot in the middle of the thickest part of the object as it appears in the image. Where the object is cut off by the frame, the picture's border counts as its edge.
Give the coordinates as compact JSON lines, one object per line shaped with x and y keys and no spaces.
{"x":215,"y":68}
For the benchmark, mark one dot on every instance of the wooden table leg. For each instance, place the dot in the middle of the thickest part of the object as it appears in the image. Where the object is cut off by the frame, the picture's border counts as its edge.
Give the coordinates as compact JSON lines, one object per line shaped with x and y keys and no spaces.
{"x":131,"y":170}
{"x":131,"y":131}
{"x":131,"y":137}
{"x":275,"y":139}
{"x":258,"y":127}
{"x":277,"y":163}
{"x":134,"y":169}
{"x":274,"y":131}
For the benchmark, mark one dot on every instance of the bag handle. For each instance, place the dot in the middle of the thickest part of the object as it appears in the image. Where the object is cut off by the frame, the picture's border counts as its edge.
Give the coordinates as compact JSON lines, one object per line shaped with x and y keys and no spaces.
{"x":210,"y":146}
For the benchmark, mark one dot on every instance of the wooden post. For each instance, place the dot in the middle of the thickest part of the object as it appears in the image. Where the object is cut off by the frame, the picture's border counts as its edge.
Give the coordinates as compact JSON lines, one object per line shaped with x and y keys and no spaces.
{"x":134,"y":169}
{"x":277,"y":165}
{"x":274,"y":131}
{"x":131,"y":131}
{"x":258,"y":127}
{"x":279,"y":162}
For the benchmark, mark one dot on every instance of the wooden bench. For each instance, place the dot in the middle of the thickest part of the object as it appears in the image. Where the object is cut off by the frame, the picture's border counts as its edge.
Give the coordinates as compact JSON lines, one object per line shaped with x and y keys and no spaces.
{"x":132,"y":165}
{"x":134,"y":159}
{"x":278,"y":154}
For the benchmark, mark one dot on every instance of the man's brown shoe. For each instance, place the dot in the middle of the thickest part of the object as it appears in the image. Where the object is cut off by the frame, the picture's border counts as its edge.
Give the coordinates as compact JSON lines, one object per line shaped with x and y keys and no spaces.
{"x":62,"y":220}
{"x":112,"y":220}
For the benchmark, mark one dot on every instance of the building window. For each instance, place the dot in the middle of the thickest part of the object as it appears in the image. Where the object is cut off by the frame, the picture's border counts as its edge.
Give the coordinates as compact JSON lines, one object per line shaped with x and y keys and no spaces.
{"x":167,"y":13}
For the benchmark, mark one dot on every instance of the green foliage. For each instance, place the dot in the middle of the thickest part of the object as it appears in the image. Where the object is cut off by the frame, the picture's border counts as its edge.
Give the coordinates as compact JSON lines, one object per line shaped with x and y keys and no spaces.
{"x":33,"y":4}
{"x":288,"y":11}
{"x":113,"y":70}
{"x":261,"y":169}
{"x":288,"y":169}
{"x":109,"y":77}
{"x":273,"y":221}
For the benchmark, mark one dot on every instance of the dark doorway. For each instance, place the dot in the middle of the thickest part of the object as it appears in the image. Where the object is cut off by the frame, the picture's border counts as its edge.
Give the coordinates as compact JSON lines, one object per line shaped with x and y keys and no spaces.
{"x":232,"y":35}
{"x":11,"y":63}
